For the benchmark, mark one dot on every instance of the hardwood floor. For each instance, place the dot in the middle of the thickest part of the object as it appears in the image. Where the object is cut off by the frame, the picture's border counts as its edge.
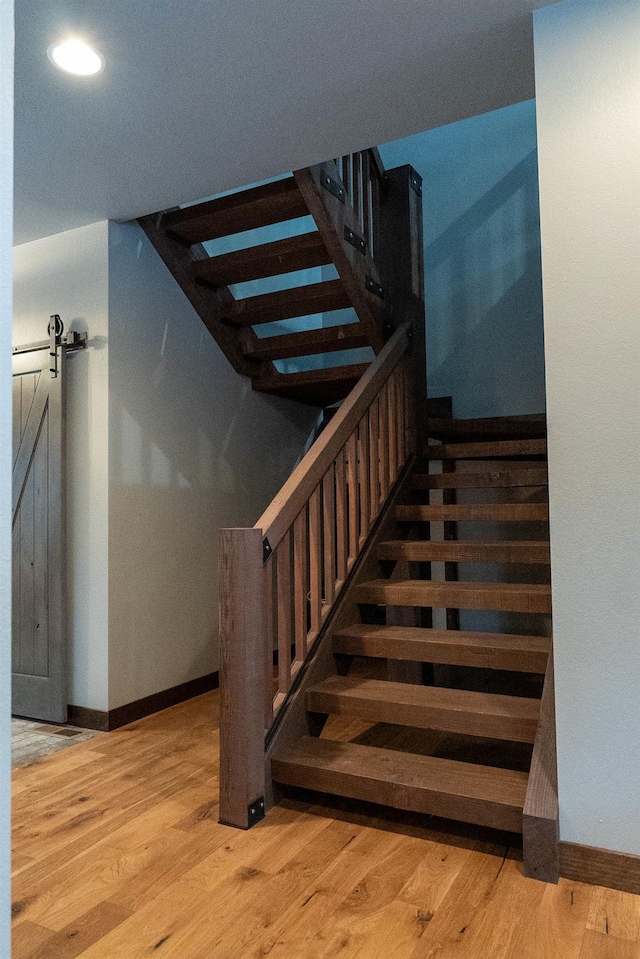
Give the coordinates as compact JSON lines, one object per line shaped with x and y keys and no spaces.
{"x":118,"y":855}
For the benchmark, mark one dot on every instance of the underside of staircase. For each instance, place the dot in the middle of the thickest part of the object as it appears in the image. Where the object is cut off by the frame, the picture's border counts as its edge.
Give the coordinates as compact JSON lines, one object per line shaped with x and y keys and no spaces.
{"x":442,"y":720}
{"x":342,"y":200}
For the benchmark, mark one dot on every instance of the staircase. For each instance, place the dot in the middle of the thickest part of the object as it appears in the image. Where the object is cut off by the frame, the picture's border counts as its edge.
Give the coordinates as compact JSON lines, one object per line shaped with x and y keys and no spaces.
{"x":347,"y":201}
{"x":471,"y":694}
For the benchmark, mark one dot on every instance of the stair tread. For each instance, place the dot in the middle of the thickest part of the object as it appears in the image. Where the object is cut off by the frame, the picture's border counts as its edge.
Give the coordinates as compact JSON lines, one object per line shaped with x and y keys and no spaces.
{"x":386,"y":636}
{"x":505,"y":597}
{"x":475,"y":512}
{"x":347,"y":336}
{"x":237,"y":212}
{"x":269,"y":259}
{"x":318,"y":387}
{"x":486,"y":480}
{"x":531,"y":426}
{"x":427,"y":707}
{"x":465,"y":551}
{"x":499,"y":449}
{"x":288,"y":304}
{"x":485,"y":795}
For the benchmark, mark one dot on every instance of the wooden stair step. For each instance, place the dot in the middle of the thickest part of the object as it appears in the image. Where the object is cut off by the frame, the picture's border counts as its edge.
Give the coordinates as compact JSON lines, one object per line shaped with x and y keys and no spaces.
{"x":328,"y":339}
{"x":500,"y":449}
{"x":269,"y":259}
{"x":459,"y":711}
{"x":490,"y":480}
{"x":484,"y":795}
{"x":463,"y":551}
{"x":246,"y":210}
{"x":317,"y":387}
{"x":288,"y":304}
{"x":446,"y":594}
{"x":475,"y":512}
{"x":527,"y":654}
{"x":533,"y":426}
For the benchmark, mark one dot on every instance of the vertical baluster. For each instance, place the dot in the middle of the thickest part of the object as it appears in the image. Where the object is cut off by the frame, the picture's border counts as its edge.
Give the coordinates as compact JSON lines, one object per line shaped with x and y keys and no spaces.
{"x":283,"y":559}
{"x":300,"y":589}
{"x":366,"y":197}
{"x":375,"y":213}
{"x":393,"y":426}
{"x":342,"y":527}
{"x":356,"y":200}
{"x":269,"y":585}
{"x":374,"y":460}
{"x":315,"y":565}
{"x":354,"y":506}
{"x":363,"y":469}
{"x":329,"y":530}
{"x":346,"y":176}
{"x":402,"y":424}
{"x":384,"y":443}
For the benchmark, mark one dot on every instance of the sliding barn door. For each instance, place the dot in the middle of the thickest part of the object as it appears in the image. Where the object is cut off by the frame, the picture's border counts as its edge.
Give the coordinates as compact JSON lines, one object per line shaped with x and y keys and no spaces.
{"x":38,"y":627}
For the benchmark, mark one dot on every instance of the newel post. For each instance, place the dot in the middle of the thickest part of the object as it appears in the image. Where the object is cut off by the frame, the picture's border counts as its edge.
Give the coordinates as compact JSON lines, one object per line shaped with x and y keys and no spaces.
{"x":242,"y":677}
{"x":401,"y":261}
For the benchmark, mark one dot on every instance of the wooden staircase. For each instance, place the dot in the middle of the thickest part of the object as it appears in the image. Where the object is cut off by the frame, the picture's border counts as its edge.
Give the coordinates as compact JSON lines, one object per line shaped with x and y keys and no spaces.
{"x":469,"y":691}
{"x":353,"y":213}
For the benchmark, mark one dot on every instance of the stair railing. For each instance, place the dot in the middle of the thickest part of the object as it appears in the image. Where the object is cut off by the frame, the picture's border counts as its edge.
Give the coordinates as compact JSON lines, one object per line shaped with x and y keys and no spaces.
{"x":363,"y":176}
{"x":280,"y":580}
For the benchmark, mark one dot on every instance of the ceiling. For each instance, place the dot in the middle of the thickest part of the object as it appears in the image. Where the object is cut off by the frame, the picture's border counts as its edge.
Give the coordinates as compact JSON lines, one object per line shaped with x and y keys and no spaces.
{"x":200,"y":96}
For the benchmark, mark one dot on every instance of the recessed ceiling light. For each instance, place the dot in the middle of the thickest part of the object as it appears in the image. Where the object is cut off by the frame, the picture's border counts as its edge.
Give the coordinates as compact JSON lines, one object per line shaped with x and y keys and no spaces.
{"x":76,"y":56}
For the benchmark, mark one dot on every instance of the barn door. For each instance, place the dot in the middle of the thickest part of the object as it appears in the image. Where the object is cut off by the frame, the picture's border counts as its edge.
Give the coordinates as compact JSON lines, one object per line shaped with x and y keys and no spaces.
{"x":38,"y":627}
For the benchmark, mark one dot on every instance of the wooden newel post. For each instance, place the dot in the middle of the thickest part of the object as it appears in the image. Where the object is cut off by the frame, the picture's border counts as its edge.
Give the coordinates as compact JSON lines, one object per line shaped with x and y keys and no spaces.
{"x":242,"y":677}
{"x":401,"y":258}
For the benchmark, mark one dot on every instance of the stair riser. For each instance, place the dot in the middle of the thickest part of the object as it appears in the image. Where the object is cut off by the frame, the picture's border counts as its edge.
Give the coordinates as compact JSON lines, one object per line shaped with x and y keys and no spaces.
{"x":459,"y":721}
{"x":445,"y":654}
{"x":414,"y":798}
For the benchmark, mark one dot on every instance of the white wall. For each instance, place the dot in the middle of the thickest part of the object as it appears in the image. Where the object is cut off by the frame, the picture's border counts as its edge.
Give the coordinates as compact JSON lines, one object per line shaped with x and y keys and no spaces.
{"x":68,"y":274}
{"x":192,"y":449}
{"x":588,"y":90}
{"x":6,"y":229}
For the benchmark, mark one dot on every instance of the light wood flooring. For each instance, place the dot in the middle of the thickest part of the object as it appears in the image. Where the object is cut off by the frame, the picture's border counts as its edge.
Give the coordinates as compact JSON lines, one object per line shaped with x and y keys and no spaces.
{"x":118,"y":855}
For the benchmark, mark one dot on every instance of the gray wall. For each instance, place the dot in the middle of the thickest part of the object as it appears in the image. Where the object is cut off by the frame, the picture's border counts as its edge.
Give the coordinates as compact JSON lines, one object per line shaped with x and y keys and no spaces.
{"x":192,"y":449}
{"x":6,"y":216}
{"x":483,"y":286}
{"x":588,"y":87}
{"x":68,"y":274}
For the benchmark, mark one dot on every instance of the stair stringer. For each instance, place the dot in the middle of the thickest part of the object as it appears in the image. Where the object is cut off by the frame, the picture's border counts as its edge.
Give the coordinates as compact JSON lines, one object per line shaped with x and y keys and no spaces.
{"x":293,"y":720}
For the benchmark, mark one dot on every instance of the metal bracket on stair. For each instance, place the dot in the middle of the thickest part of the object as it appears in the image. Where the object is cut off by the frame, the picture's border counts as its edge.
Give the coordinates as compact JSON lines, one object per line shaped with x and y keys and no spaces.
{"x":373,"y":287}
{"x":333,"y":186}
{"x":267,"y":549}
{"x":255,"y":812}
{"x":355,"y":240}
{"x":416,"y":182}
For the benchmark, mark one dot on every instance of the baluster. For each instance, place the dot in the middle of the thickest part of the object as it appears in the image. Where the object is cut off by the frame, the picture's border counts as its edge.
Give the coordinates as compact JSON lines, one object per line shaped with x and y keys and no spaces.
{"x":402,"y":438}
{"x":269,"y":586}
{"x":300,"y":588}
{"x":363,"y":468}
{"x":366,"y":197}
{"x":375,"y":213}
{"x":329,"y":530}
{"x":393,"y":427}
{"x":315,"y":564}
{"x":374,"y":459}
{"x":357,"y":188}
{"x":283,"y":559}
{"x":346,"y":176}
{"x":342,"y":521}
{"x":354,"y":506}
{"x":384,"y":442}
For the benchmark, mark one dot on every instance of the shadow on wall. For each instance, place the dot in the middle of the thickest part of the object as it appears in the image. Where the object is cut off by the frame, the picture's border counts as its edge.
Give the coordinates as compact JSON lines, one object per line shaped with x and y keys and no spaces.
{"x":483,"y":277}
{"x":484,"y":282}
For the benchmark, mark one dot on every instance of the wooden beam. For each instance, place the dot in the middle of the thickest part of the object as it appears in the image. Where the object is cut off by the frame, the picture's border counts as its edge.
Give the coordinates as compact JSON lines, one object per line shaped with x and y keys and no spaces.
{"x":540,"y":817}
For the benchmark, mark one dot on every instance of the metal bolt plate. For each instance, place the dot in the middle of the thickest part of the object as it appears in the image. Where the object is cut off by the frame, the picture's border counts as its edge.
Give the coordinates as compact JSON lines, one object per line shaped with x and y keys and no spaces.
{"x":333,"y":186}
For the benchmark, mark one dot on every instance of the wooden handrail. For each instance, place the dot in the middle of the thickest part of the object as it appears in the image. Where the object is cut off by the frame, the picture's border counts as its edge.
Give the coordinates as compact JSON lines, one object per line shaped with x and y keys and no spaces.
{"x":287,"y":504}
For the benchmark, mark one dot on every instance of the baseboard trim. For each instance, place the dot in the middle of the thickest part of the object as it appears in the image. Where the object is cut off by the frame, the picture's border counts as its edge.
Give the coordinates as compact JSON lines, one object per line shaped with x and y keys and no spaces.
{"x":123,"y":715}
{"x":600,"y":867}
